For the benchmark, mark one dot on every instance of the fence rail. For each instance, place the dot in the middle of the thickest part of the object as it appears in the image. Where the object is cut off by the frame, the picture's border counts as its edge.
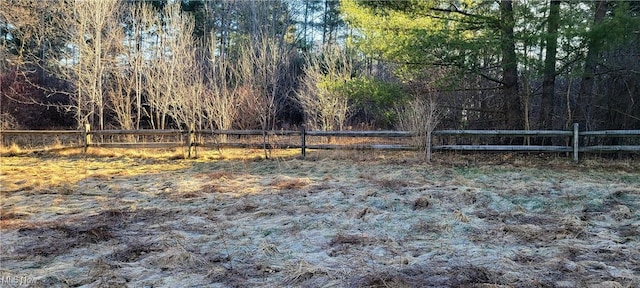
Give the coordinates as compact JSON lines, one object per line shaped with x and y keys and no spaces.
{"x":388,"y":134}
{"x":499,"y":133}
{"x":302,"y":139}
{"x":41,"y":132}
{"x":611,"y":133}
{"x":509,"y":148}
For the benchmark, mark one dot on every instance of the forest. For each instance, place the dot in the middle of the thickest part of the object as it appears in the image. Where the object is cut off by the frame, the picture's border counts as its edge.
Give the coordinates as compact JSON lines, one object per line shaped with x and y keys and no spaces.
{"x":332,"y":65}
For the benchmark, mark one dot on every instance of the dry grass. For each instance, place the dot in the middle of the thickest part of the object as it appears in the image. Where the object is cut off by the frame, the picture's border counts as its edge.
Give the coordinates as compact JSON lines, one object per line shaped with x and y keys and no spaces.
{"x":285,"y":183}
{"x":365,"y":220}
{"x":12,"y":150}
{"x":421,"y":203}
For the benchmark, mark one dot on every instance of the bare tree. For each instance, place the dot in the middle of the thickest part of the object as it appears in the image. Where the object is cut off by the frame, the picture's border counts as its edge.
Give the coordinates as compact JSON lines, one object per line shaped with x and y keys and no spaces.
{"x":143,"y":22}
{"x":119,"y":98}
{"x":128,"y":77}
{"x":221,"y":101}
{"x":420,"y":115}
{"x":167,"y":69}
{"x":100,"y":20}
{"x":258,"y":66}
{"x":31,"y":32}
{"x":174,"y":84}
{"x":185,"y":74}
{"x":325,"y":107}
{"x":94,"y":34}
{"x":261,"y":68}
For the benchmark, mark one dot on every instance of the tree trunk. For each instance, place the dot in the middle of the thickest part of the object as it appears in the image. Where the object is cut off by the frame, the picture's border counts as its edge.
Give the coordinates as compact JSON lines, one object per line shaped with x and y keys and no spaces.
{"x":324,"y":22}
{"x":549,"y":81}
{"x":585,"y":96}
{"x":306,"y":21}
{"x":511,"y":92}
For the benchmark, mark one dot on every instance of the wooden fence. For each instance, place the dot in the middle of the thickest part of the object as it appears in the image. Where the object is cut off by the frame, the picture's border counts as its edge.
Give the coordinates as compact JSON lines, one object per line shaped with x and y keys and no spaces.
{"x":574,"y":140}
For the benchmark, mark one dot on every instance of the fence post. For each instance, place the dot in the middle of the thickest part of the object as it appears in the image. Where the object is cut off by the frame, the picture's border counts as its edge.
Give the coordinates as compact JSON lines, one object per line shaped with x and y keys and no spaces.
{"x":87,"y":137}
{"x":303,"y":140}
{"x":191,"y":137}
{"x":576,"y":141}
{"x":428,"y":145}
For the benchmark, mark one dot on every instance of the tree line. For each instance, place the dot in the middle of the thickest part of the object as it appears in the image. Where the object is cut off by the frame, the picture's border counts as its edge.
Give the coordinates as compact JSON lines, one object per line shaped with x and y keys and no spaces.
{"x":329,"y":64}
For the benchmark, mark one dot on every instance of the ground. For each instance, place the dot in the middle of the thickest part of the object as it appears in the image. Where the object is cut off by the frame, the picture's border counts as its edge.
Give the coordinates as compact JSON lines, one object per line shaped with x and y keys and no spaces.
{"x":114,"y":221}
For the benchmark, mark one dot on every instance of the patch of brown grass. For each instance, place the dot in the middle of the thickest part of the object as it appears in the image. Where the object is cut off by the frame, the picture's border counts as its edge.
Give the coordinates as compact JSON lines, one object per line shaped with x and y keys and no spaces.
{"x":190,"y":195}
{"x":425,"y":227}
{"x":383,"y":280}
{"x":12,"y":150}
{"x":386,"y":183}
{"x":134,"y":251}
{"x":222,"y":175}
{"x":421,"y":202}
{"x":532,"y":232}
{"x":211,"y":188}
{"x":12,"y":214}
{"x":57,"y":240}
{"x":473,"y":276}
{"x":305,"y":272}
{"x":177,"y":257}
{"x":242,"y":207}
{"x":391,"y":183}
{"x":349,"y":239}
{"x":289,"y":184}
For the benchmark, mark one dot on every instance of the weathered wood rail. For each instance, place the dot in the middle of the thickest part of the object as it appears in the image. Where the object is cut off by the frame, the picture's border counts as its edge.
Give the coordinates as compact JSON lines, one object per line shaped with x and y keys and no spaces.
{"x":304,"y":140}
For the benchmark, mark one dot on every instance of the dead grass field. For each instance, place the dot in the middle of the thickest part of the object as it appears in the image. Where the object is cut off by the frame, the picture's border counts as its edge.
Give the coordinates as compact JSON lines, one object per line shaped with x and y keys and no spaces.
{"x":342,"y":221}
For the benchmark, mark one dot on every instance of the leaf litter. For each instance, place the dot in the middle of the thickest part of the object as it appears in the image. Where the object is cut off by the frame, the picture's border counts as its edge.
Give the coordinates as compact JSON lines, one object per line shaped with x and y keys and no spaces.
{"x":320,"y":223}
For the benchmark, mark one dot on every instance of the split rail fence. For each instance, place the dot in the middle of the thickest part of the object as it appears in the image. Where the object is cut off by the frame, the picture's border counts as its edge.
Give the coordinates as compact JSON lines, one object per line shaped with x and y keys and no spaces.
{"x":575,"y":141}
